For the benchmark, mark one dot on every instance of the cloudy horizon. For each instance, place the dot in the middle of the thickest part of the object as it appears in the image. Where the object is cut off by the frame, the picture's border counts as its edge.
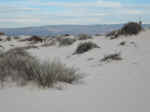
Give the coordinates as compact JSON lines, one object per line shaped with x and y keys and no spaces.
{"x":26,"y":13}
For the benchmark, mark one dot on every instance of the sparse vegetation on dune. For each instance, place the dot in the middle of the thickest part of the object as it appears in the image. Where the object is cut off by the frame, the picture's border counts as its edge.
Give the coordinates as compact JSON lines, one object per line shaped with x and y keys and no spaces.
{"x":22,"y":68}
{"x":33,"y":38}
{"x":84,"y":37}
{"x":29,"y":47}
{"x":16,"y":37}
{"x":8,"y":39}
{"x":122,"y":43}
{"x":111,"y":57}
{"x":131,"y":28}
{"x":48,"y":43}
{"x":66,"y":35}
{"x":98,"y":34}
{"x":84,"y":47}
{"x":66,"y":41}
{"x":2,"y":33}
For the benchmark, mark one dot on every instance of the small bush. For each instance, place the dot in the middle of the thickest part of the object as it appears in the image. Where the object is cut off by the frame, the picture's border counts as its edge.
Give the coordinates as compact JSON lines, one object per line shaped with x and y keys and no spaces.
{"x":34,"y":38}
{"x":29,"y":47}
{"x":8,"y":38}
{"x":84,"y":37}
{"x":84,"y":47}
{"x":66,"y":35}
{"x":122,"y":43}
{"x":98,"y":34}
{"x":22,"y":68}
{"x":111,"y":33}
{"x":131,"y":28}
{"x":2,"y":33}
{"x":49,"y":43}
{"x":16,"y":38}
{"x":115,"y":56}
{"x":66,"y":41}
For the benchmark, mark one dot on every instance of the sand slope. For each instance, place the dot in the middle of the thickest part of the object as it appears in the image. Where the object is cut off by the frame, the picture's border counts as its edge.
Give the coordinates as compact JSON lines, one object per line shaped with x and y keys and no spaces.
{"x":117,"y":86}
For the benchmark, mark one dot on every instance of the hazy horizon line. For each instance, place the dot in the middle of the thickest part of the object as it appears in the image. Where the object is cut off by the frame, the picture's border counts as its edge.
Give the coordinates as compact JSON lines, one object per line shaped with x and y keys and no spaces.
{"x":66,"y":25}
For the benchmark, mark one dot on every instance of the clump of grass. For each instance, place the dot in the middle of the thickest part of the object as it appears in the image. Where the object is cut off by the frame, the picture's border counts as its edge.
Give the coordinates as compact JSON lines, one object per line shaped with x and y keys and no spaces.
{"x":84,"y":47}
{"x":8,"y":39}
{"x":2,"y":33}
{"x":98,"y":34}
{"x":22,"y":68}
{"x":49,"y":43}
{"x":111,"y":57}
{"x":122,"y":43}
{"x":33,"y":38}
{"x":66,"y":41}
{"x":66,"y":35}
{"x":29,"y":47}
{"x":16,"y":37}
{"x":84,"y":37}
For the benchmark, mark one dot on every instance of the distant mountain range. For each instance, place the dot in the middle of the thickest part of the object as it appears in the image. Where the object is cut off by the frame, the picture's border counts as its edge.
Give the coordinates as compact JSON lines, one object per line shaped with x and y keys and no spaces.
{"x":63,"y":29}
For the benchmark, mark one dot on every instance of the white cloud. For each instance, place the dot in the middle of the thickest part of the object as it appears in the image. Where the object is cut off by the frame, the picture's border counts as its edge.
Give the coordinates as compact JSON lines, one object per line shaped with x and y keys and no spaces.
{"x":131,"y":12}
{"x":109,"y":4}
{"x":96,"y":12}
{"x":99,"y":3}
{"x":20,"y":20}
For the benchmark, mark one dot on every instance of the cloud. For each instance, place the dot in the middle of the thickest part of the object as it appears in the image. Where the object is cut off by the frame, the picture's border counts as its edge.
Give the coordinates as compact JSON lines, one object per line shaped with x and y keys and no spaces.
{"x":33,"y":12}
{"x":109,"y":4}
{"x":99,"y":3}
{"x":131,"y":12}
{"x":20,"y":20}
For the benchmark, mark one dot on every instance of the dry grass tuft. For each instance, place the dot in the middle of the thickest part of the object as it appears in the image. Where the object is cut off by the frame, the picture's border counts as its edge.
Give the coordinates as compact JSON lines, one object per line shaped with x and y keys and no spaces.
{"x":111,"y":57}
{"x":84,"y":47}
{"x":84,"y":37}
{"x":66,"y":41}
{"x":19,"y":66}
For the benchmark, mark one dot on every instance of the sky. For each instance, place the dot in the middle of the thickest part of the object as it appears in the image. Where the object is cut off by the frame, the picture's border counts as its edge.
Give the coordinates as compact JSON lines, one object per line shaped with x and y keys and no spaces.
{"x":24,"y":13}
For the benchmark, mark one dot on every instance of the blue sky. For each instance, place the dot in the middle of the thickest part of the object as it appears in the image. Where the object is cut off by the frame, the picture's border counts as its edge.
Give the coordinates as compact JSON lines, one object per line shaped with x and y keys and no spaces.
{"x":22,"y":13}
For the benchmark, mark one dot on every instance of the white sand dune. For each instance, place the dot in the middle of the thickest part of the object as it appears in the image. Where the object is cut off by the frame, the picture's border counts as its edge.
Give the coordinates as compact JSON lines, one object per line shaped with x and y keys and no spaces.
{"x":117,"y":86}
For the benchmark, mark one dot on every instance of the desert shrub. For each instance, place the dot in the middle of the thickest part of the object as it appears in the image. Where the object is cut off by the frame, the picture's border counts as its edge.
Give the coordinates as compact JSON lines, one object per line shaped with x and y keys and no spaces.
{"x":122,"y":43}
{"x":66,"y":41}
{"x":33,"y":38}
{"x":29,"y":47}
{"x":131,"y":28}
{"x":113,"y":34}
{"x":110,"y":57}
{"x":84,"y":37}
{"x":2,"y":33}
{"x":49,"y":43}
{"x":66,"y":35}
{"x":54,"y":72}
{"x":98,"y":34}
{"x":19,"y":66}
{"x":84,"y":47}
{"x":8,"y":38}
{"x":16,"y":38}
